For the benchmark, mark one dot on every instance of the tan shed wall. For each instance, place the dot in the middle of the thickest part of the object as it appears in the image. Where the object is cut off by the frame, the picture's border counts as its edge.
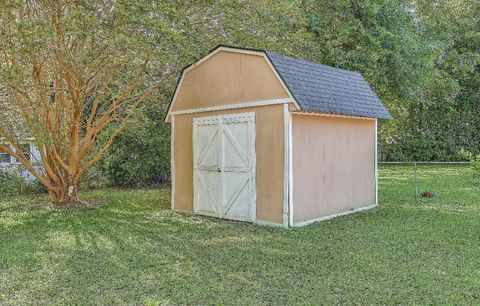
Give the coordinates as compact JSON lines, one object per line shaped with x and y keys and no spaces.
{"x":228,"y":78}
{"x":269,"y":131}
{"x":333,"y":165}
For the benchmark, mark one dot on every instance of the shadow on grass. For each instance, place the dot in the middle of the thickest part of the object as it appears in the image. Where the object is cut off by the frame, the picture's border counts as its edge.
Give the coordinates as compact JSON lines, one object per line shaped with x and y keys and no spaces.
{"x":133,"y":250}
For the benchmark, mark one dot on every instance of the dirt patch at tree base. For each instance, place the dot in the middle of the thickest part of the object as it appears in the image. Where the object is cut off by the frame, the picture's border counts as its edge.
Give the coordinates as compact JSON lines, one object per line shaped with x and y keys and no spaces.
{"x":78,"y":204}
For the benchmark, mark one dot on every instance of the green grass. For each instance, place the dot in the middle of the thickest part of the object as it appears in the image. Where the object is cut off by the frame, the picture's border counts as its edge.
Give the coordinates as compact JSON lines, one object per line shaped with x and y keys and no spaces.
{"x":133,"y":250}
{"x":452,"y":185}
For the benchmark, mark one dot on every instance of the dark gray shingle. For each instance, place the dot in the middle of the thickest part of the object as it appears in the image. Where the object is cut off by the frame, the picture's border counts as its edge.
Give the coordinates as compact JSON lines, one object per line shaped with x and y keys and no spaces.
{"x":325,"y":89}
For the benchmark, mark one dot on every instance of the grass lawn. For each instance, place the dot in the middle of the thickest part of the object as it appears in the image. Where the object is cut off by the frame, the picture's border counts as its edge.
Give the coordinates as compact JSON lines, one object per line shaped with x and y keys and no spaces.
{"x":133,"y":250}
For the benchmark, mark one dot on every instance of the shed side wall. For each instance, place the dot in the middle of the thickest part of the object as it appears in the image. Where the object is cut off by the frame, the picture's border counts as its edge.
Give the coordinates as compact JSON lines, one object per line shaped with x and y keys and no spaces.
{"x":269,"y":159}
{"x":228,"y":78}
{"x":333,"y":165}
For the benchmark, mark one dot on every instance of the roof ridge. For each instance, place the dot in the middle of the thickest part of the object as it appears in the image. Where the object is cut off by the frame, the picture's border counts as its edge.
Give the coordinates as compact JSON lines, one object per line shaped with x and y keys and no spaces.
{"x":282,"y":55}
{"x":312,"y":63}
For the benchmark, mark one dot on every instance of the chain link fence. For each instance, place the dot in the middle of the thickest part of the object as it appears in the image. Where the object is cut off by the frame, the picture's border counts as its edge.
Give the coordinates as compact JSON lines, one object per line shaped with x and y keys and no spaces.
{"x":399,"y":182}
{"x":427,"y":182}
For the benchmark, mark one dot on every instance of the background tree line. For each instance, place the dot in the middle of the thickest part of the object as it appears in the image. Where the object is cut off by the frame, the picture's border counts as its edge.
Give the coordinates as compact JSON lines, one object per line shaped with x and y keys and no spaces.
{"x":420,"y":56}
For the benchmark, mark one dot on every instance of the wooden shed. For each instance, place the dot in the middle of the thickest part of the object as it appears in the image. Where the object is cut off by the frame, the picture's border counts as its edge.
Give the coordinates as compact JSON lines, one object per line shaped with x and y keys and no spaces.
{"x":270,"y":139}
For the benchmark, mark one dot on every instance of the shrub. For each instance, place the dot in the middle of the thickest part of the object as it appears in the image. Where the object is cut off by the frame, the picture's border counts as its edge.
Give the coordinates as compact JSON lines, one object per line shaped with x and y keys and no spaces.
{"x":12,"y":182}
{"x":475,"y":165}
{"x":139,"y":156}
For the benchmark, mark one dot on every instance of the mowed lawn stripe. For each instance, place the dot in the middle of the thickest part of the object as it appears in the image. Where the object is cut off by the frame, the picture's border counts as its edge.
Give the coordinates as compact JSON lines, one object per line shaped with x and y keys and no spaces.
{"x":131,"y":249}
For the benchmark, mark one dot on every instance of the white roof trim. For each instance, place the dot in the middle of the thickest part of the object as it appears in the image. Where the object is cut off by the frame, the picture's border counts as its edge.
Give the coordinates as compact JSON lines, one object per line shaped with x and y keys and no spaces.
{"x":232,"y":106}
{"x":330,"y":115}
{"x":228,"y":49}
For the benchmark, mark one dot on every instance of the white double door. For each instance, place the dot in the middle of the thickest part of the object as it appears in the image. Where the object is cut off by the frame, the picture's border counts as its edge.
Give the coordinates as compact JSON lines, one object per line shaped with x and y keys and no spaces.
{"x":224,"y":166}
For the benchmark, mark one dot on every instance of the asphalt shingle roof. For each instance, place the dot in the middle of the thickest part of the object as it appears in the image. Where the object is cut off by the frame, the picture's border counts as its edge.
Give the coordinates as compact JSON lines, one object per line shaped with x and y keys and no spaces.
{"x":325,"y":89}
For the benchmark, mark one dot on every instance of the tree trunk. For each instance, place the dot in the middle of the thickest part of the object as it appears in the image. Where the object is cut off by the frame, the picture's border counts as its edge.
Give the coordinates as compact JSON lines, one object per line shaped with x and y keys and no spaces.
{"x":64,"y":195}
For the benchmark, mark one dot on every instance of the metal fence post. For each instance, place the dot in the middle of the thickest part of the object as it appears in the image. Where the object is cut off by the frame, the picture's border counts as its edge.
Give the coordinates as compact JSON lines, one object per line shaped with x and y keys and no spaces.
{"x":415,"y":180}
{"x":432,"y":182}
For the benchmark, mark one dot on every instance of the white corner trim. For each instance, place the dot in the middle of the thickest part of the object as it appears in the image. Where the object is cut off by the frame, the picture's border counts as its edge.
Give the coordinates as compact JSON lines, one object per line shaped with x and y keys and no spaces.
{"x":330,"y":115}
{"x":290,"y":172}
{"x":376,"y":161}
{"x":241,"y":51}
{"x":172,"y":162}
{"x":286,"y":165}
{"x":232,"y":106}
{"x":348,"y":212}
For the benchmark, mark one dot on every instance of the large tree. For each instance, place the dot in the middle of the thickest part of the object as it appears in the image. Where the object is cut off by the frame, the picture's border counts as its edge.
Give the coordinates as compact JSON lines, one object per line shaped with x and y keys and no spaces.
{"x":421,"y":57}
{"x":76,"y":71}
{"x":73,"y":68}
{"x":446,"y":118}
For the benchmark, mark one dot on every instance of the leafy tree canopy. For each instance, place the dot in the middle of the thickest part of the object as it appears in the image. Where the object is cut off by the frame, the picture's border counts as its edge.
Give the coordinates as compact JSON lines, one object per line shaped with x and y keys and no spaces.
{"x":59,"y":60}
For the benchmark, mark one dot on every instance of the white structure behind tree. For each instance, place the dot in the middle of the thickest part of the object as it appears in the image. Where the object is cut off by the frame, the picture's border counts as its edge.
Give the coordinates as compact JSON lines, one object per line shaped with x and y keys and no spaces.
{"x":9,"y":163}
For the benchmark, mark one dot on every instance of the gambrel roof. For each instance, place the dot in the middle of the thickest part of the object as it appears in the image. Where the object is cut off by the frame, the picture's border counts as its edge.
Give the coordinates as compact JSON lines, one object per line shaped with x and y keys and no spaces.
{"x":326,"y":89}
{"x":314,"y":87}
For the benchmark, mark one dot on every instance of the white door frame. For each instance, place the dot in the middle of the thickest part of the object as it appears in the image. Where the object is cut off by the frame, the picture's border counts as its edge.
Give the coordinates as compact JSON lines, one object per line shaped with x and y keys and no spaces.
{"x":212,"y":121}
{"x":221,"y":120}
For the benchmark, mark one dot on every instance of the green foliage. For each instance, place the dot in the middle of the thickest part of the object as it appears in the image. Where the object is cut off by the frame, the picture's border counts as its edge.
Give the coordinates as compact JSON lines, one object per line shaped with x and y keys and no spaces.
{"x":421,"y":59}
{"x":450,"y":184}
{"x":376,"y":38}
{"x":475,"y":165}
{"x":466,"y":155}
{"x":129,"y":46}
{"x":447,"y":110}
{"x":141,"y":155}
{"x":12,"y":183}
